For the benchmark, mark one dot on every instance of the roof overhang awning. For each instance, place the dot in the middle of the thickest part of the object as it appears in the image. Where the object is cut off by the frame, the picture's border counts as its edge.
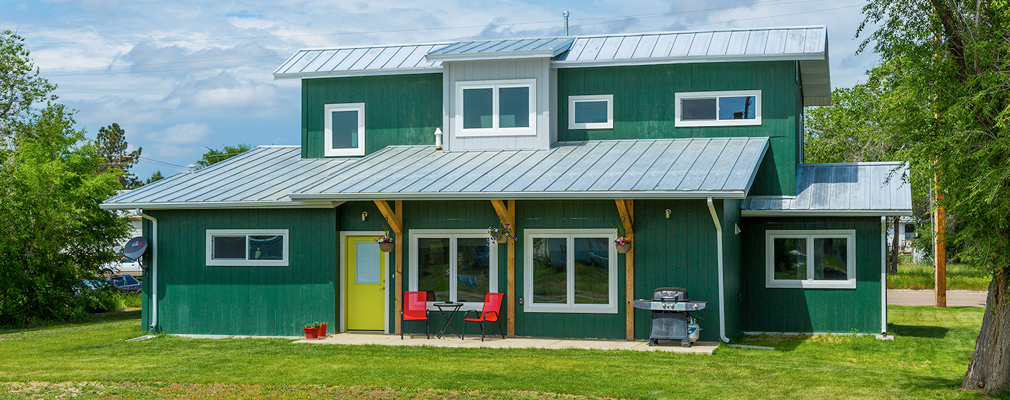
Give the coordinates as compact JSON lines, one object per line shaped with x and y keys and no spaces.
{"x":840,"y":190}
{"x":501,"y":49}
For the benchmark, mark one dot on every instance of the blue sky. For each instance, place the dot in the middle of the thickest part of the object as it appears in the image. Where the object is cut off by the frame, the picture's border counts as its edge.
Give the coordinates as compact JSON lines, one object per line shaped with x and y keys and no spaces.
{"x":181,"y":76}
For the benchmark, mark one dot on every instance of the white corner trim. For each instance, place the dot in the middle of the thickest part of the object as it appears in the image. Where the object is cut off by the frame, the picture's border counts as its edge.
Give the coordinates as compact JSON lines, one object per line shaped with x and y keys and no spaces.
{"x":211,"y":261}
{"x":529,"y":305}
{"x":328,"y":130}
{"x":680,"y":96}
{"x":883,"y":275}
{"x":609,"y":98}
{"x":810,"y":282}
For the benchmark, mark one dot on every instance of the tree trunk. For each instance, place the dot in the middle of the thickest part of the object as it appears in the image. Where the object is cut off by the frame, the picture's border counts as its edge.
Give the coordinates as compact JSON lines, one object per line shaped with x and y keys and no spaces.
{"x":989,"y":369}
{"x":893,"y":268}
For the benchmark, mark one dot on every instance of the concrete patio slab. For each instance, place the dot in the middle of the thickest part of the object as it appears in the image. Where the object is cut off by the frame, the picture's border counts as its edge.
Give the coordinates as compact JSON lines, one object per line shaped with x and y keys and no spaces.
{"x":357,"y":338}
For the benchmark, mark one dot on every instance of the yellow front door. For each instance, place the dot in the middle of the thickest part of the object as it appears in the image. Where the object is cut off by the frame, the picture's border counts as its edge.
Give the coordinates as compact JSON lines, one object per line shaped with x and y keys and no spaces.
{"x":365,"y":283}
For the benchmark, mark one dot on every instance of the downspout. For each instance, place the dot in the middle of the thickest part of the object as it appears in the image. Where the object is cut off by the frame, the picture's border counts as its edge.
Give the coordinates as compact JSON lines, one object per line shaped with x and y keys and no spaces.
{"x":883,"y":275}
{"x":154,"y":267}
{"x":722,"y":289}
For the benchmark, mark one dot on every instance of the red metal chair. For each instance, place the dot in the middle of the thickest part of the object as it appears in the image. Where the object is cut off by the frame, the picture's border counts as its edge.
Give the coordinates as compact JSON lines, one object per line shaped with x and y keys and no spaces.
{"x":490,"y":312}
{"x":415,"y":309}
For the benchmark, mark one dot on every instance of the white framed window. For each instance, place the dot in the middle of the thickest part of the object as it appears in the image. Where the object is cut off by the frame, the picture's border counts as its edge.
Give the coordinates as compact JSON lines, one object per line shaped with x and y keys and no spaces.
{"x":729,"y":108}
{"x":496,"y":108}
{"x":344,"y":133}
{"x":457,"y":265}
{"x":570,"y":271}
{"x":247,"y":247}
{"x":591,"y":112}
{"x":822,"y":259}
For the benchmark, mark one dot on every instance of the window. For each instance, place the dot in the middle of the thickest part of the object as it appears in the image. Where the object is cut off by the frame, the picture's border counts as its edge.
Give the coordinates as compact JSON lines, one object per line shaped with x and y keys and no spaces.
{"x":459,"y":265}
{"x":811,"y":259}
{"x":496,"y":108}
{"x":591,"y":112}
{"x":718,"y":108}
{"x":247,"y":247}
{"x":571,"y":271}
{"x":345,"y":129}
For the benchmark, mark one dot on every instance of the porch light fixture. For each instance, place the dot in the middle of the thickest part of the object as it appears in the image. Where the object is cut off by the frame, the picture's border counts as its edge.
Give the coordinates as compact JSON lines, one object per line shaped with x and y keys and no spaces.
{"x":438,"y":138}
{"x":668,"y":212}
{"x":364,"y":215}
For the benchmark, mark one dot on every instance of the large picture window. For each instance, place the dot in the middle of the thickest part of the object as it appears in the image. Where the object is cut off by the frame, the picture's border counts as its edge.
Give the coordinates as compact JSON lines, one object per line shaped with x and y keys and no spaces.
{"x":247,"y":247}
{"x":344,"y":133}
{"x":741,"y":107}
{"x":811,"y":259}
{"x":570,"y":271}
{"x":496,"y":108}
{"x":458,"y":265}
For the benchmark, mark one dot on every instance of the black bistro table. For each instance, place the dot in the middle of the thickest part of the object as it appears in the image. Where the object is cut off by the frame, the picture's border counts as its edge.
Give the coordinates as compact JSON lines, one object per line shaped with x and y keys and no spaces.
{"x":448,"y":311}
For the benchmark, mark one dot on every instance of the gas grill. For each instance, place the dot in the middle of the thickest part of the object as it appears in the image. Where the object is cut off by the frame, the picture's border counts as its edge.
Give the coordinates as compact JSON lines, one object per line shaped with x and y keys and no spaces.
{"x":671,"y":315}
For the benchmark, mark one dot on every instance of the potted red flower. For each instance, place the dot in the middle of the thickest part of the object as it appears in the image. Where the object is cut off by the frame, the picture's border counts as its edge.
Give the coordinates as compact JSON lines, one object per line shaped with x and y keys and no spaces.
{"x":312,"y":330}
{"x":322,"y":330}
{"x":623,"y":244}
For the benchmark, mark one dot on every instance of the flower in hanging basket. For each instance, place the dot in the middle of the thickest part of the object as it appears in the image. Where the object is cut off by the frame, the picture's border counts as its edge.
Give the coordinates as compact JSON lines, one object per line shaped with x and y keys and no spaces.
{"x":501,"y":234}
{"x":623,"y":244}
{"x":622,"y":240}
{"x":384,"y":238}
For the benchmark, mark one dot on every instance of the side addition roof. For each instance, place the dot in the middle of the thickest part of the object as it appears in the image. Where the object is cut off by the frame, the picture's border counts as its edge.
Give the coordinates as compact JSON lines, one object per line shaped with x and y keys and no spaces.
{"x":261,"y":177}
{"x":851,"y":189}
{"x":662,"y":168}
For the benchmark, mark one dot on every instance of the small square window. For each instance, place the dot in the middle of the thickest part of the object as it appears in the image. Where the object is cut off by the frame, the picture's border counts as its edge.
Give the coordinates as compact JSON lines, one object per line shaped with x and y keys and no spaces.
{"x":345,"y":129}
{"x":718,"y":108}
{"x":811,"y":259}
{"x":591,"y":112}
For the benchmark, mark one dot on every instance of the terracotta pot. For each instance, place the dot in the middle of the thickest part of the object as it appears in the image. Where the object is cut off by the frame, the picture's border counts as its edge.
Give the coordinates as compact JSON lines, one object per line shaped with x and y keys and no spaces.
{"x":502,"y":239}
{"x":311,"y":333}
{"x":624,"y":248}
{"x":386,"y":247}
{"x":322,"y":331}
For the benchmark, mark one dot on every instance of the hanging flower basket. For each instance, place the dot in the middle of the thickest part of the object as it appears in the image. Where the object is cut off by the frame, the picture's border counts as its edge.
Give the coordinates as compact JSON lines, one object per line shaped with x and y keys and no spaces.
{"x":501,"y":235}
{"x":623,"y":244}
{"x":385,"y":243}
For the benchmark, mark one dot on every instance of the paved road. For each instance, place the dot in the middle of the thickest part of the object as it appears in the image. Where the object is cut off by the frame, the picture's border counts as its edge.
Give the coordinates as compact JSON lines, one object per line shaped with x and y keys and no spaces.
{"x":955,"y":298}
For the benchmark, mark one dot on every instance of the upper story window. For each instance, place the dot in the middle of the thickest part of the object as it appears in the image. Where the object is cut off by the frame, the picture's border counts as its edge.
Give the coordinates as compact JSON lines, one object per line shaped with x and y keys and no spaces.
{"x":742,"y":107}
{"x":247,"y":247}
{"x":591,"y":112}
{"x":496,"y":108}
{"x":345,"y":129}
{"x":823,"y":259}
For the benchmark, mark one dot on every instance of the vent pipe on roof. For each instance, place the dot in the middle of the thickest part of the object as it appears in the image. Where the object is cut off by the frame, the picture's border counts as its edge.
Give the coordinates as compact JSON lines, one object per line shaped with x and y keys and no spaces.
{"x":566,"y":22}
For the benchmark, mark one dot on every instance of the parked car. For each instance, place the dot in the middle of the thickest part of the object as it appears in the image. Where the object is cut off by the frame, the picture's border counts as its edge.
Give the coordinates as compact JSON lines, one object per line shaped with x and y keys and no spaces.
{"x":126,"y":266}
{"x":126,"y":283}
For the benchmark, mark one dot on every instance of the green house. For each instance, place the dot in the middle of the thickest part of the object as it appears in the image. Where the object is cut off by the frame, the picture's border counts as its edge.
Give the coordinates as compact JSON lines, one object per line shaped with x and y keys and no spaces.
{"x":688,"y":143}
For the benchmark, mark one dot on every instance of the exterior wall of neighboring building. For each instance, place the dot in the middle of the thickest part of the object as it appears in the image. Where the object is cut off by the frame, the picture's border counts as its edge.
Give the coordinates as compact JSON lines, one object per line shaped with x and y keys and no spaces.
{"x":399,"y":109}
{"x":812,"y":310}
{"x":644,"y":108}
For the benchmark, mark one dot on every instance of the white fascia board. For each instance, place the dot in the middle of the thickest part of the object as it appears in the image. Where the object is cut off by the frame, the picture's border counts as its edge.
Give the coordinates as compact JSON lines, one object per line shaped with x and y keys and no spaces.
{"x":360,"y":72}
{"x":491,"y":55}
{"x":219,"y":204}
{"x":824,"y":213}
{"x":688,"y":60}
{"x":521,"y":195}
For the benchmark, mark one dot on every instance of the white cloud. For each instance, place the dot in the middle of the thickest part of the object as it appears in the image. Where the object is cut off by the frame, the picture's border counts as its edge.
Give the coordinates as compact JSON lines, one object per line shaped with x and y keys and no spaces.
{"x":184,"y":133}
{"x":225,"y":92}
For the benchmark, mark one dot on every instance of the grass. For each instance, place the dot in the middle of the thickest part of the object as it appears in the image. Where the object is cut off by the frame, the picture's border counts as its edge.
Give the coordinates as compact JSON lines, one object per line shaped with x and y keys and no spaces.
{"x":92,"y":360}
{"x":920,"y":276}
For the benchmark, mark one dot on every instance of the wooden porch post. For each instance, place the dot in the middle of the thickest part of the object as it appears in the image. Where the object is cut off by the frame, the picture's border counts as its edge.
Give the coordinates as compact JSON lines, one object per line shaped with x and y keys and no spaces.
{"x":626,"y":208}
{"x":507,"y":215}
{"x":395,"y":221}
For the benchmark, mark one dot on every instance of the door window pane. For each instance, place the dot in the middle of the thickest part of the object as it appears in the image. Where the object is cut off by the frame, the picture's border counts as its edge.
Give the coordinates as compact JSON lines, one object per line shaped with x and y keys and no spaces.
{"x":697,"y":109}
{"x":830,"y":259}
{"x":514,"y":107}
{"x":367,"y":263}
{"x":344,"y":129}
{"x":588,"y":112}
{"x":266,"y":247}
{"x":433,"y":266}
{"x":473,"y":268}
{"x":790,"y":258}
{"x":229,"y":247}
{"x":550,"y":275}
{"x":592,"y":266}
{"x":737,"y":107}
{"x":477,"y":108}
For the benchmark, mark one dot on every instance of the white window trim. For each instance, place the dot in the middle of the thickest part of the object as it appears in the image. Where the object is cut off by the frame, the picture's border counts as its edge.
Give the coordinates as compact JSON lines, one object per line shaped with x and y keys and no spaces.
{"x":452,"y":235}
{"x":328,"y":130}
{"x":718,"y":122}
{"x":211,"y":233}
{"x":609,"y":98}
{"x":530,"y":306}
{"x":495,"y":85}
{"x":810,"y":235}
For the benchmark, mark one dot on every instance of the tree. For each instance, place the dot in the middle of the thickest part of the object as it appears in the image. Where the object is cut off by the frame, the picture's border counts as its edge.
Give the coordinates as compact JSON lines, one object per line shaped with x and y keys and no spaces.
{"x":111,"y":142}
{"x":20,"y":85}
{"x":214,"y":156}
{"x":156,"y":176}
{"x":947,"y":62}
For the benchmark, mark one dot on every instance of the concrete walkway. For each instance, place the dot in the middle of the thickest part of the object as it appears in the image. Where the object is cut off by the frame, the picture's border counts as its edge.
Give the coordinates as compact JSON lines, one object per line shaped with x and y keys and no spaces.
{"x":955,"y":298}
{"x":355,"y":338}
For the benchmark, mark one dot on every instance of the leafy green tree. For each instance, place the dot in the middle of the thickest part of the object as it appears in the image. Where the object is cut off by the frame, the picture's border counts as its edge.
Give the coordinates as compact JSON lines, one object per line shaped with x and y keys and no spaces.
{"x":20,"y":85}
{"x":111,"y":142}
{"x":214,"y":156}
{"x":852,"y":129}
{"x":949,"y":94}
{"x":156,"y":176}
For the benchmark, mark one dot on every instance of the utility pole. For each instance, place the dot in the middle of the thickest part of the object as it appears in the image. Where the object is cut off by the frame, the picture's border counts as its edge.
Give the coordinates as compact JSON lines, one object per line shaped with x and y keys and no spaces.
{"x":939,"y":221}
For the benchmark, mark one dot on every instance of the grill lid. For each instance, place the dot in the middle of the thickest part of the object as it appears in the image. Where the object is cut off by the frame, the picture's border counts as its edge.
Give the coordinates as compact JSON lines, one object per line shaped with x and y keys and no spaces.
{"x":669,"y":294}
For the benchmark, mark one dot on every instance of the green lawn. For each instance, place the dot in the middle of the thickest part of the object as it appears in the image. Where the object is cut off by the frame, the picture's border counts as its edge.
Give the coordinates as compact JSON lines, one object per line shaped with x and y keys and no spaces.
{"x":920,"y":276}
{"x":92,"y":360}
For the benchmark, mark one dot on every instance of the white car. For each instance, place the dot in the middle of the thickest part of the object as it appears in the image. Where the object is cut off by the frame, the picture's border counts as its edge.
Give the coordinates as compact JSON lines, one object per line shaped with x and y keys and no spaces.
{"x":125,"y":266}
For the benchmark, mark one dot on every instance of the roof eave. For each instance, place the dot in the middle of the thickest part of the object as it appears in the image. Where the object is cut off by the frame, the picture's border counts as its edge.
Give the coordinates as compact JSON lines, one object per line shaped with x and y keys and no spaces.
{"x":596,"y":195}
{"x":547,"y":53}
{"x":360,"y":72}
{"x":689,"y":60}
{"x":824,"y":213}
{"x":218,"y":204}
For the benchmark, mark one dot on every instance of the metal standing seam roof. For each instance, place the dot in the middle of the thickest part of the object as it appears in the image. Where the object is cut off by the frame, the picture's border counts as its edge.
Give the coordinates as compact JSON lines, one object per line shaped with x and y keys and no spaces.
{"x":503,"y":48}
{"x":660,"y":168}
{"x":360,"y":61}
{"x":259,"y":177}
{"x":868,"y":189}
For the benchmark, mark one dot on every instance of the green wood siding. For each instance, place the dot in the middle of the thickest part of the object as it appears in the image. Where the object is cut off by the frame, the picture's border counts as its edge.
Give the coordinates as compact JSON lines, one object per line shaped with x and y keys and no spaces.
{"x":644,"y":107}
{"x":399,"y":109}
{"x":812,"y":310}
{"x":265,"y":301}
{"x":731,"y":264}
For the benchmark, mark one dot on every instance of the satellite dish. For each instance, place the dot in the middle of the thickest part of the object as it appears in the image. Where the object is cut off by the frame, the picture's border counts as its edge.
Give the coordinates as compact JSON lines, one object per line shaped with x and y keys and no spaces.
{"x":135,"y":248}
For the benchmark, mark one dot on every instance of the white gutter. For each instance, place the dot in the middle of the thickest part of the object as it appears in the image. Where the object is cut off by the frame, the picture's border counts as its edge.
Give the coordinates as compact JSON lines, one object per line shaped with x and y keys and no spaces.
{"x":154,"y":267}
{"x":722,"y":289}
{"x":883,"y":275}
